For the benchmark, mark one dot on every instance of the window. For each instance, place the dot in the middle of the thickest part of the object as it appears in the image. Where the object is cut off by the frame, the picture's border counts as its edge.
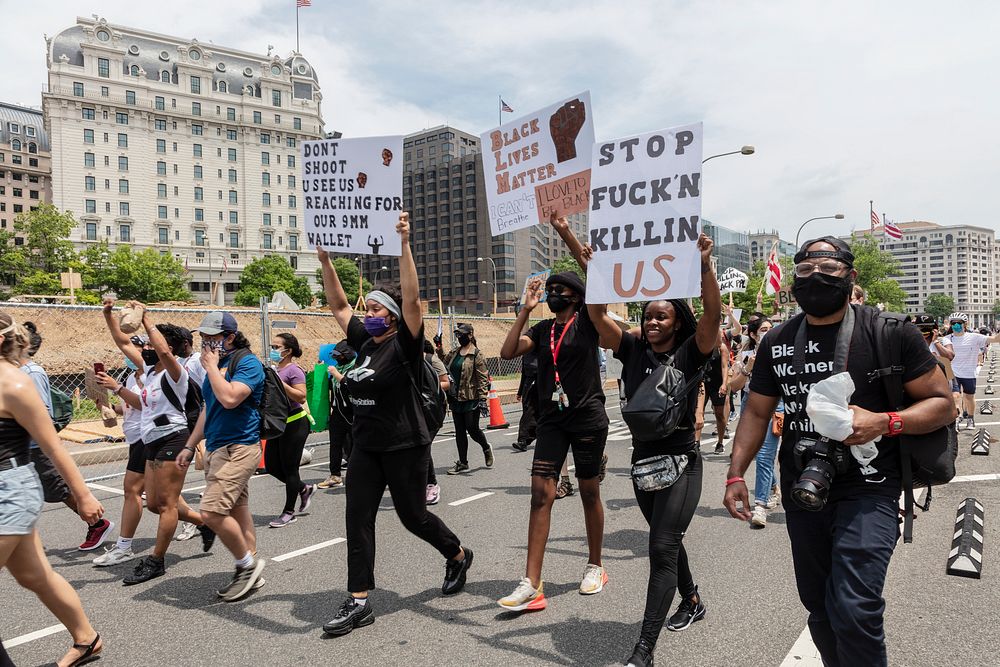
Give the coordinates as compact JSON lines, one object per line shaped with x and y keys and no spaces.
{"x":161,"y":212}
{"x":234,"y":218}
{"x":160,"y":124}
{"x":122,"y":140}
{"x":105,"y":91}
{"x":266,"y":221}
{"x":234,"y":239}
{"x":296,"y":123}
{"x":123,"y":210}
{"x":121,"y":118}
{"x":266,"y":199}
{"x":89,"y":183}
{"x":223,"y":87}
{"x":232,"y":196}
{"x":265,"y":178}
{"x":159,"y":105}
{"x":196,"y":85}
{"x":161,"y":190}
{"x":232,"y":175}
{"x":15,"y":144}
{"x":293,"y":221}
{"x":77,"y":89}
{"x":199,"y":215}
{"x":291,"y":201}
{"x":122,"y":163}
{"x":196,"y":108}
{"x":103,"y":68}
{"x":291,"y":181}
{"x":91,"y":231}
{"x":256,"y":117}
{"x":197,"y":171}
{"x":88,"y":160}
{"x":161,"y":168}
{"x":265,"y":158}
{"x":231,"y":135}
{"x":163,"y":235}
{"x":231,"y":154}
{"x":88,"y":114}
{"x":125,"y":233}
{"x":88,"y":136}
{"x":267,"y":241}
{"x":123,"y":186}
{"x":293,"y":242}
{"x":197,"y":130}
{"x":276,"y":98}
{"x":90,"y":205}
{"x":130,"y":97}
{"x":291,"y":161}
{"x":199,"y":194}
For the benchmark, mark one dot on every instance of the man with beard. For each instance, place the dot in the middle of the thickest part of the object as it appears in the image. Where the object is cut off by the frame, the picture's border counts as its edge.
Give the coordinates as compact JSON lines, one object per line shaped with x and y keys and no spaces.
{"x":841,"y":548}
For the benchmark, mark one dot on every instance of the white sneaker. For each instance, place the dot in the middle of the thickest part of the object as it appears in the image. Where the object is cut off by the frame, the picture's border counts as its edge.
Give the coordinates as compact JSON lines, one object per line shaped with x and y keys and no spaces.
{"x":758,"y":518}
{"x":594,"y":578}
{"x":113,"y":556}
{"x":187,"y":532}
{"x":774,"y":500}
{"x":525,"y":597}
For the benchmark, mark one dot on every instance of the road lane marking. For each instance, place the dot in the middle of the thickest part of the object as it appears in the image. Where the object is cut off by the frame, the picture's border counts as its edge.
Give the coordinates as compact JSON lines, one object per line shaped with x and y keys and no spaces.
{"x":32,"y":636}
{"x":975,"y":478}
{"x":470,"y":498}
{"x":306,"y":550}
{"x":803,"y":653}
{"x":101,"y":487}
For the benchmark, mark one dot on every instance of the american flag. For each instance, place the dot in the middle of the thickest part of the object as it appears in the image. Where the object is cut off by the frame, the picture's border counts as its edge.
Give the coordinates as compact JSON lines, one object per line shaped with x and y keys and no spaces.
{"x":225,"y":265}
{"x":892,"y":230}
{"x":875,"y":220}
{"x":303,"y":3}
{"x":503,"y":106}
{"x":773,"y":284}
{"x":185,"y":264}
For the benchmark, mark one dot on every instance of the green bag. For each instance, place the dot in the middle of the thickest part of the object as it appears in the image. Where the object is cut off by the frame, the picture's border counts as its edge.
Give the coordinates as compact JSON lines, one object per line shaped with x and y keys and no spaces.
{"x":318,"y":396}
{"x":62,"y":409}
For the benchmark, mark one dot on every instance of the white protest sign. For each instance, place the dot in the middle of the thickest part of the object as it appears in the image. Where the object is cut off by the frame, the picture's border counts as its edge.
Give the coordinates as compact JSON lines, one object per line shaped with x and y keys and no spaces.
{"x":540,"y":275}
{"x":645,"y":217}
{"x":733,"y":281}
{"x":737,"y":313}
{"x":539,"y":164}
{"x":353,"y":194}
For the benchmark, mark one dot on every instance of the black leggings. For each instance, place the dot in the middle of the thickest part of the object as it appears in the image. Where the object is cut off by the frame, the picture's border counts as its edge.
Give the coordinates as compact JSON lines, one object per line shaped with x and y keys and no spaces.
{"x":341,"y":441}
{"x":282,"y":458}
{"x":404,"y":471}
{"x":466,"y":425}
{"x":432,"y":477}
{"x":668,"y":512}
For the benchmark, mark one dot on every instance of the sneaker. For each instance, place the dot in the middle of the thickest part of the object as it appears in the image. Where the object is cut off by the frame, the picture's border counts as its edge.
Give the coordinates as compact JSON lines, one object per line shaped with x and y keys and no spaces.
{"x":758,"y":518}
{"x":305,"y":497}
{"x":243,"y":581}
{"x":283,"y":520}
{"x":720,"y":448}
{"x":207,"y":538}
{"x":775,"y":499}
{"x":454,"y":573}
{"x":259,"y":584}
{"x":331,"y":482}
{"x":114,"y":556}
{"x":727,"y":435}
{"x":96,"y":535}
{"x":520,"y":446}
{"x":594,"y":578}
{"x":433,"y":494}
{"x":525,"y":597}
{"x":349,"y":617}
{"x":187,"y":532}
{"x":603,"y":472}
{"x":564,"y":488}
{"x":687,"y":613}
{"x":148,"y":568}
{"x":642,"y":655}
{"x":971,"y":423}
{"x":488,"y":454}
{"x":459,"y":467}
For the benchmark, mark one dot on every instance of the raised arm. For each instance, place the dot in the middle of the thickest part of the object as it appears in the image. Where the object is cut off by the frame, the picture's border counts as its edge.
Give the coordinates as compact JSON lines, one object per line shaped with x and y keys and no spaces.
{"x":707,"y":333}
{"x":336,"y":298}
{"x":409,"y":283}
{"x":517,"y":344}
{"x":122,"y":339}
{"x":561,"y":225}
{"x":607,"y":328}
{"x":159,"y":343}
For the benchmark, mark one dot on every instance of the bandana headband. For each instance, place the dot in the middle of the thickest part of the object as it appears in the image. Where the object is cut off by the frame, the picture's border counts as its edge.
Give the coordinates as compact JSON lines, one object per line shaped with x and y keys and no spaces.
{"x":383,"y":299}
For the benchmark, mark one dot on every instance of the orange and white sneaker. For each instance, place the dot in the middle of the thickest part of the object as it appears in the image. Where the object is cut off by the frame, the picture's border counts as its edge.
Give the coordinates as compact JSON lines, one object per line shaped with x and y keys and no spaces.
{"x":525,"y":597}
{"x":594,"y":579}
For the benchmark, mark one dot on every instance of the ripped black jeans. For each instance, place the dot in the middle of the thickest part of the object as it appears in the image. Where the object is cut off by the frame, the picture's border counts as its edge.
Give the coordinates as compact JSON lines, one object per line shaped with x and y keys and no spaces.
{"x":553,"y":445}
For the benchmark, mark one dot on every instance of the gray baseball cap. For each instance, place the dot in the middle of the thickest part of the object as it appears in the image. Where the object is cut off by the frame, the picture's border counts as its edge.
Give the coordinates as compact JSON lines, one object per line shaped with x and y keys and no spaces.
{"x":218,"y":322}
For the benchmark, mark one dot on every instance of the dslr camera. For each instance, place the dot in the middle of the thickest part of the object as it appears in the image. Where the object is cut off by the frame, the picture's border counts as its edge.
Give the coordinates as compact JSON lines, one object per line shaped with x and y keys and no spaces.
{"x":820,"y":461}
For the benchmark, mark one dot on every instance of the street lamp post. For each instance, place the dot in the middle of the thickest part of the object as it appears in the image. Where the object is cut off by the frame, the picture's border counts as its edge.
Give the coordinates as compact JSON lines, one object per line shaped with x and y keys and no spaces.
{"x":490,"y":260}
{"x":494,"y":286}
{"x":838,"y":216}
{"x":380,"y":270}
{"x":746,"y":150}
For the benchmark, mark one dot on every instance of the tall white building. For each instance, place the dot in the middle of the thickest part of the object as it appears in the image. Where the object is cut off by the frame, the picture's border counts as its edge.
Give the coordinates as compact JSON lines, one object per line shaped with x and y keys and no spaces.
{"x":186,"y":147}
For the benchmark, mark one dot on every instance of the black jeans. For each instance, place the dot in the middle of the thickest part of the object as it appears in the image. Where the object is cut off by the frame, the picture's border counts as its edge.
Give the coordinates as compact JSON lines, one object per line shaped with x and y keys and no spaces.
{"x":527,"y":426}
{"x":668,"y":512}
{"x":404,"y":471}
{"x":283,"y":456}
{"x":841,"y":556}
{"x":466,"y":426}
{"x":341,"y":441}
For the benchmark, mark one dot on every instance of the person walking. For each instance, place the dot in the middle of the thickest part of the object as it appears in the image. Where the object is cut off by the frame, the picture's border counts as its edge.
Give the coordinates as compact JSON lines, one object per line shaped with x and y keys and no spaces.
{"x":283,"y":455}
{"x":466,"y":366}
{"x":191,"y":360}
{"x":967,"y":346}
{"x":341,"y":414}
{"x":391,"y":436}
{"x":527,"y":396}
{"x":441,"y":372}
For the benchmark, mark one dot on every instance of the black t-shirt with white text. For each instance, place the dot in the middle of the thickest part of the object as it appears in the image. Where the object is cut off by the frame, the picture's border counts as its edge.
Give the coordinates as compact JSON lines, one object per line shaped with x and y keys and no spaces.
{"x":774,"y":375}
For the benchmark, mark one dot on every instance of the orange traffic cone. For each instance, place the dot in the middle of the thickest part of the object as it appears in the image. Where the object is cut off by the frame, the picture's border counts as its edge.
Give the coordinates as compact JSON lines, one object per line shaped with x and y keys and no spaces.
{"x":497,"y":420}
{"x":261,"y":468}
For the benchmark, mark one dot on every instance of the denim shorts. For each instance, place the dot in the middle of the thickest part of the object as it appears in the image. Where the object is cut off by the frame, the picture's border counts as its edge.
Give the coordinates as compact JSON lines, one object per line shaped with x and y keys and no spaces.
{"x":20,"y":500}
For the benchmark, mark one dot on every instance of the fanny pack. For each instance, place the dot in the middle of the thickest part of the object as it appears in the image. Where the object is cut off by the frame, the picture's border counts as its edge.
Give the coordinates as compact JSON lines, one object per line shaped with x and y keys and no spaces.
{"x":659,"y":472}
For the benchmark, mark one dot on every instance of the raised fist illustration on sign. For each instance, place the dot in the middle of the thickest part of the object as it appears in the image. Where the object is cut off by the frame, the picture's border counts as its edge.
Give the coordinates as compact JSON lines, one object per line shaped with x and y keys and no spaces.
{"x":386,"y":157}
{"x":564,"y":126}
{"x":375,"y":242}
{"x":362,"y":179}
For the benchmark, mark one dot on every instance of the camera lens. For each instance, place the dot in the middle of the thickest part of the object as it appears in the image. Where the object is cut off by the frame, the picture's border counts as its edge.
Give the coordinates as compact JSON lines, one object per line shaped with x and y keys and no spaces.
{"x":813,"y":485}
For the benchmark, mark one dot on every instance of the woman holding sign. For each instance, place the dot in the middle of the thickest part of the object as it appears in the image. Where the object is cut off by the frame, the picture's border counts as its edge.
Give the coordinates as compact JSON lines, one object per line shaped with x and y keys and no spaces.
{"x":666,"y":463}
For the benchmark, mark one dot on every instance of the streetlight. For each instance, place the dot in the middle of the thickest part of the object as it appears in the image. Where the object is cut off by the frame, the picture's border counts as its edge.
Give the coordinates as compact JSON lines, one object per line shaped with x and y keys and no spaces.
{"x":380,"y":270}
{"x":490,"y":260}
{"x":746,"y":150}
{"x":838,"y":216}
{"x":494,"y":286}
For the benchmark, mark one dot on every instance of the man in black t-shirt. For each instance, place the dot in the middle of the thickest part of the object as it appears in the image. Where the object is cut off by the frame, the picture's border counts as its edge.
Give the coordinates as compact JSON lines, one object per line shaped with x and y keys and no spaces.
{"x":841,"y":552}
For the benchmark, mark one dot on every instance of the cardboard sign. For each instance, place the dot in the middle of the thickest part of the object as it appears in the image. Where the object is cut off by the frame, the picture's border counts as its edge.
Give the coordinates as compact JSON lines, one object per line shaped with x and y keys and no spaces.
{"x":543,"y":275}
{"x":353,"y":194}
{"x":733,"y":281}
{"x":785,"y":298}
{"x":645,"y":217}
{"x":539,"y":164}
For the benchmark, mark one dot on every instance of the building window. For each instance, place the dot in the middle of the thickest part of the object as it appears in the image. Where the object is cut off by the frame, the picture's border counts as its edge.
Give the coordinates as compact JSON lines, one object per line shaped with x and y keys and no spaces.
{"x":125,"y":233}
{"x":121,"y":118}
{"x":89,"y":183}
{"x":103,"y":67}
{"x":223,"y":87}
{"x":232,"y":154}
{"x":267,"y":241}
{"x":161,"y":168}
{"x":265,"y":158}
{"x":130,"y":97}
{"x":88,"y":114}
{"x":231,"y":135}
{"x":232,"y":197}
{"x":199,"y":237}
{"x":293,"y":242}
{"x":232,"y":175}
{"x":161,"y":212}
{"x":266,"y":221}
{"x":293,"y":221}
{"x":196,"y":149}
{"x":196,"y":108}
{"x":197,"y":171}
{"x":291,"y":201}
{"x":265,"y":138}
{"x":199,"y":215}
{"x":160,"y":124}
{"x":77,"y":89}
{"x":88,"y":160}
{"x":234,"y":239}
{"x":291,"y":161}
{"x":122,"y":140}
{"x":276,"y":98}
{"x":88,"y":136}
{"x":234,"y":218}
{"x":199,"y":194}
{"x":266,"y":199}
{"x":90,"y":205}
{"x":161,"y":190}
{"x":159,"y":104}
{"x":123,"y":186}
{"x":265,"y":178}
{"x":196,"y":85}
{"x":296,"y":123}
{"x":256,"y":117}
{"x":290,"y":142}
{"x":123,"y":208}
{"x":163,"y":235}
{"x":122,"y":163}
{"x":91,"y":231}
{"x":291,"y":181}
{"x":197,"y":130}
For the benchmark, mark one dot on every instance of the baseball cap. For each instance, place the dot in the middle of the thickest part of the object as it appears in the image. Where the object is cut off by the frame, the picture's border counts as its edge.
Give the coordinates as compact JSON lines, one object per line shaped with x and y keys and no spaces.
{"x":925,"y":322}
{"x":462,"y":328}
{"x":218,"y":322}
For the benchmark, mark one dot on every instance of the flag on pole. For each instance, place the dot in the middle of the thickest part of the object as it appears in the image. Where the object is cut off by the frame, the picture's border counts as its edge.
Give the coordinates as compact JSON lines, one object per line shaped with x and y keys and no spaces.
{"x":875,"y":220}
{"x":772,"y":281}
{"x":225,"y":265}
{"x":503,"y":106}
{"x":303,"y":3}
{"x":892,"y":230}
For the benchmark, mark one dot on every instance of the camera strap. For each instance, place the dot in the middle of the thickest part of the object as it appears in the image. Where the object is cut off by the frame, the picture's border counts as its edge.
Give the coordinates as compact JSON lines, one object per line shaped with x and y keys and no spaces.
{"x":843,"y":348}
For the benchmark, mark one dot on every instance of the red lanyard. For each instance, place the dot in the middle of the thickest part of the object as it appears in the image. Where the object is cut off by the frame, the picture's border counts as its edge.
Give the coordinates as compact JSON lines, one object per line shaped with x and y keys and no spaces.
{"x":554,"y":347}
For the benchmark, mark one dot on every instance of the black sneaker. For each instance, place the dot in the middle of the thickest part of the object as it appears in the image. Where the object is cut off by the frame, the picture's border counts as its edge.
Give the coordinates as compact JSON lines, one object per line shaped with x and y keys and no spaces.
{"x":454,"y":573}
{"x":350,"y":616}
{"x":687,"y":613}
{"x":642,"y":655}
{"x":243,"y":581}
{"x":207,"y":537}
{"x":720,"y":448}
{"x":520,"y":446}
{"x":148,"y":568}
{"x":459,"y":467}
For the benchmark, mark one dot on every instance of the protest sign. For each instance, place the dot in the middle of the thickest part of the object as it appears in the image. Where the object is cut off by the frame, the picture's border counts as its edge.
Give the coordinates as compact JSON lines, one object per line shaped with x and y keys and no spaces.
{"x":353,"y":194}
{"x":733,"y":281}
{"x":543,"y":276}
{"x":539,"y":164}
{"x":645,"y":217}
{"x":785,"y":298}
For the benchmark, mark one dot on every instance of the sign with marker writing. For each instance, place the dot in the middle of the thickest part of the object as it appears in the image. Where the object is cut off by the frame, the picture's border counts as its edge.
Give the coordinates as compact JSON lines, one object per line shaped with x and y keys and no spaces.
{"x":733,"y":281}
{"x":645,"y":217}
{"x":353,"y":194}
{"x":539,"y":164}
{"x":540,"y":275}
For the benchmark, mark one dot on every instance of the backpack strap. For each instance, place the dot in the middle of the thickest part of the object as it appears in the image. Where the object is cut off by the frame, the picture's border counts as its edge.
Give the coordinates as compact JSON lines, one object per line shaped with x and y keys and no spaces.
{"x":170,"y":394}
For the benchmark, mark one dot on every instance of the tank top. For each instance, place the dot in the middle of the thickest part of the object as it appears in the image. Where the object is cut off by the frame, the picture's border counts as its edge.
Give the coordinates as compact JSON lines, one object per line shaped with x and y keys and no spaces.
{"x":13,"y":440}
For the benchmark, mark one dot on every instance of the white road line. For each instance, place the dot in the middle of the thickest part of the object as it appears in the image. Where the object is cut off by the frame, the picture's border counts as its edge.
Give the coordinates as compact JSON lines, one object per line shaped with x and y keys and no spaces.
{"x":975,"y":478}
{"x":32,"y":636}
{"x":306,"y":550}
{"x":193,"y":488}
{"x":803,"y":653}
{"x":470,"y":498}
{"x":101,"y":487}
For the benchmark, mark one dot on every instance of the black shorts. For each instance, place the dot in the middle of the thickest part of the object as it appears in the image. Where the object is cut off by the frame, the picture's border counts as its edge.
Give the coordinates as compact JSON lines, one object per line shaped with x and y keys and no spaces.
{"x":553,"y":443}
{"x":713,"y":394}
{"x":168,"y":447}
{"x":136,"y":458}
{"x":54,"y":488}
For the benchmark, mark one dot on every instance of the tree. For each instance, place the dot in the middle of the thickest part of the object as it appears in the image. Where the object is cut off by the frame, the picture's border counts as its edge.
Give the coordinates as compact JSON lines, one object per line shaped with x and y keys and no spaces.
{"x":264,"y":276}
{"x":876,"y":268}
{"x":567,"y":263}
{"x":145,"y":276}
{"x":38,"y":282}
{"x":996,"y":310}
{"x":347,"y":271}
{"x":45,"y":230}
{"x":12,"y":261}
{"x":941,"y":306}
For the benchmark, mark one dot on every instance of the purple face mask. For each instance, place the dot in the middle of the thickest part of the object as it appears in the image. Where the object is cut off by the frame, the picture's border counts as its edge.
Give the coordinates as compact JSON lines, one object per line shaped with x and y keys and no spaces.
{"x":376,"y":326}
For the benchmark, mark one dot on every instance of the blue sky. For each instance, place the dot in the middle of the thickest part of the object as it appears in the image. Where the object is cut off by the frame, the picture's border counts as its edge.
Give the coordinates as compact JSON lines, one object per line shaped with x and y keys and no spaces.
{"x":845,"y":102}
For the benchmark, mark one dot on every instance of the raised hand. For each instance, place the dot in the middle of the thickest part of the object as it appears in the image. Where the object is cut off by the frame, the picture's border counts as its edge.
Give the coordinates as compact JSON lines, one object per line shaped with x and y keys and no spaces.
{"x":705,"y":245}
{"x":534,"y":294}
{"x":403,"y":227}
{"x":322,"y":254}
{"x":559,"y":221}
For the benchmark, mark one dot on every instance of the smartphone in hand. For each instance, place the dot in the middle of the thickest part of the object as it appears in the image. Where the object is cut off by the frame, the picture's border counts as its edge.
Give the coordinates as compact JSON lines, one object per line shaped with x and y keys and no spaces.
{"x":99,"y":367}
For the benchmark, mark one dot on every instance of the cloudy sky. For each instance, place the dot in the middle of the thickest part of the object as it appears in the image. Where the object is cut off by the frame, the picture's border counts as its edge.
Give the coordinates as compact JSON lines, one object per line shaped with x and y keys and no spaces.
{"x":844,"y":101}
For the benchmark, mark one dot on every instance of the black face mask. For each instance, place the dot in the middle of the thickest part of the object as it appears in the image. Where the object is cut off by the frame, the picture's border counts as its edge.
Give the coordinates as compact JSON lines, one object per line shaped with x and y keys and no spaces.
{"x":464,"y":339}
{"x":559,"y":302}
{"x":150,"y":358}
{"x":821,"y":295}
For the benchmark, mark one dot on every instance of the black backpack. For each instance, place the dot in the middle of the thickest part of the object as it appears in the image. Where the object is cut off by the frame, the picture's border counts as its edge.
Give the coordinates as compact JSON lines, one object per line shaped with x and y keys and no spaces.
{"x":433,"y":401}
{"x":274,"y":407}
{"x":660,"y":401}
{"x":192,"y":402}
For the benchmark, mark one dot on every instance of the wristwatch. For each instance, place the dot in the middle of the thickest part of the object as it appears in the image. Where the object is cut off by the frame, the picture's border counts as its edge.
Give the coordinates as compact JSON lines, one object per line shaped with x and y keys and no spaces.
{"x":895,"y":424}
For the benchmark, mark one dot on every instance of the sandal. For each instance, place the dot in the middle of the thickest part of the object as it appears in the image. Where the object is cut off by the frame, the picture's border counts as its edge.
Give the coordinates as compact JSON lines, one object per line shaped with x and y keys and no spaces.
{"x":564,"y":488}
{"x":91,"y":651}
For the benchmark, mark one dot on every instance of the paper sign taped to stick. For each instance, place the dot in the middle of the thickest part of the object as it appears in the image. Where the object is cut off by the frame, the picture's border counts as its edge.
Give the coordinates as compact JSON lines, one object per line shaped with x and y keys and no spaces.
{"x":353,"y":194}
{"x":541,"y":275}
{"x":733,"y":281}
{"x":539,"y":164}
{"x":645,"y":217}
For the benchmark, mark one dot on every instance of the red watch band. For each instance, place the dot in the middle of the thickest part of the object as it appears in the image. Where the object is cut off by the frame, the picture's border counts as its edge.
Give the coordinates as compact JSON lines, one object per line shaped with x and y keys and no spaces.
{"x":895,"y":424}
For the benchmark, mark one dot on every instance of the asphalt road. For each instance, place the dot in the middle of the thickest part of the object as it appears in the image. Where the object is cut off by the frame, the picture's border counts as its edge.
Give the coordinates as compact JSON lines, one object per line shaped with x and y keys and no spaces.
{"x":745,"y":578}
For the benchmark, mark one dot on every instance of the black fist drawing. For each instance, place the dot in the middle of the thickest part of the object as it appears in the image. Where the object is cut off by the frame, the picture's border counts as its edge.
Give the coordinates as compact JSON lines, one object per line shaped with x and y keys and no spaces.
{"x":564,"y":126}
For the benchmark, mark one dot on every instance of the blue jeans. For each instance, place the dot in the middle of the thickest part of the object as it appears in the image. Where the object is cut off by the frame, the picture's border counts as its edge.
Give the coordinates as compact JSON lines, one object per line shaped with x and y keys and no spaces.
{"x":767,"y":475}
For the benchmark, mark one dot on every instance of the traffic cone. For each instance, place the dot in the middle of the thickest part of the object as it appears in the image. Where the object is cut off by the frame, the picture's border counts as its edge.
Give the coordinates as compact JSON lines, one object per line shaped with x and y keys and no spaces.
{"x":261,"y":468}
{"x":497,"y":420}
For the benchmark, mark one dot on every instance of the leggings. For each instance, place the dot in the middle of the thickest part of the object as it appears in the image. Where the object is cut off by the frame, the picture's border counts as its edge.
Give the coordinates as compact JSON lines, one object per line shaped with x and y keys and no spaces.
{"x":668,"y":512}
{"x":283,"y":456}
{"x":466,"y":425}
{"x":404,"y":471}
{"x":431,"y":475}
{"x":341,"y":441}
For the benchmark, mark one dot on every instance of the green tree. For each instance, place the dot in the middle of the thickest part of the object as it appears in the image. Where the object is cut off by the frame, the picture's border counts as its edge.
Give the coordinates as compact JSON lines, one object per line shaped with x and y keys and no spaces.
{"x":45,"y":231}
{"x":13,"y":262}
{"x":876,"y":269}
{"x":97,"y":270}
{"x":941,"y":306}
{"x":347,"y":271}
{"x":264,"y":276}
{"x":567,"y":263}
{"x":38,"y":282}
{"x":145,"y":276}
{"x":996,"y":310}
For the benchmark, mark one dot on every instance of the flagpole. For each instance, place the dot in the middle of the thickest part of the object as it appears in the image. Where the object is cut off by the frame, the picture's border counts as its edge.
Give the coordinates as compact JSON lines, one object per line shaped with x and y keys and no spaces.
{"x":499,"y":110}
{"x":871,"y":213}
{"x":297,"y":28}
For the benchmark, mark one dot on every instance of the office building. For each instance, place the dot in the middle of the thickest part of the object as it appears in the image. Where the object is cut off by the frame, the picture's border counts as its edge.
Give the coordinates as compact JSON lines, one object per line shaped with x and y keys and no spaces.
{"x":25,"y":163}
{"x":761,"y":243}
{"x":732,"y":248}
{"x":190,"y":148}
